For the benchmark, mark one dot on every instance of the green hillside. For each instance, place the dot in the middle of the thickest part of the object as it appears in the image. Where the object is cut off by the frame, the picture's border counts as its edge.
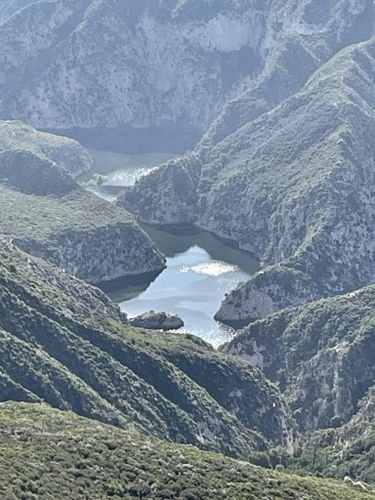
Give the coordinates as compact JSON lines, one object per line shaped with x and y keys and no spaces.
{"x":321,"y":357}
{"x":64,"y":342}
{"x":46,"y":213}
{"x":50,"y":454}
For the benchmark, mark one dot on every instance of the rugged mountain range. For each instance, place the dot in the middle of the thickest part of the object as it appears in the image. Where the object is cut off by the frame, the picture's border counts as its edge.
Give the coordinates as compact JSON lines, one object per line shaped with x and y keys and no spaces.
{"x":292,"y":186}
{"x":318,"y":213}
{"x":63,"y":342}
{"x":152,"y":75}
{"x":277,"y":97}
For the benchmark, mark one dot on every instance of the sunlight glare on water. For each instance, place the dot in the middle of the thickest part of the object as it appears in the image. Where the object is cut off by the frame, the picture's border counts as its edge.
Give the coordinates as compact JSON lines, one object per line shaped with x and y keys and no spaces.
{"x":192,"y":287}
{"x":200,"y":268}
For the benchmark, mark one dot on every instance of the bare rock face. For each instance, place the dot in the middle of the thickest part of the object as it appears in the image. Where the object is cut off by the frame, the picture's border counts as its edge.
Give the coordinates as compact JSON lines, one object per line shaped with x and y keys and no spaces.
{"x":155,"y":74}
{"x":157,"y":321}
{"x":155,"y":68}
{"x":292,"y":186}
{"x":267,"y":292}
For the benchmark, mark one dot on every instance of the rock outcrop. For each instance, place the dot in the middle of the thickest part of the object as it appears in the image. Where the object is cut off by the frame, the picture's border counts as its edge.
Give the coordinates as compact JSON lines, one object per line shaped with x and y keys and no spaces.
{"x":46,"y":213}
{"x":157,"y":321}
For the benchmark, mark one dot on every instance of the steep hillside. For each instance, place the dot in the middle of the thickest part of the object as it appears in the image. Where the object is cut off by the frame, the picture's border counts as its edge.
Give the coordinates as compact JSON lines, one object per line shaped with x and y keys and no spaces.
{"x":45,"y":212}
{"x":345,"y":451}
{"x":321,"y":356}
{"x":293,"y":187}
{"x":277,"y":100}
{"x":64,"y":342}
{"x":153,"y":75}
{"x":307,"y":34}
{"x":100,"y":461}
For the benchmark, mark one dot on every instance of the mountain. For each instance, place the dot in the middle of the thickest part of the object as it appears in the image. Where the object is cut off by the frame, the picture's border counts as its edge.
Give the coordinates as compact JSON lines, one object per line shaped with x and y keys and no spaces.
{"x":272,"y":103}
{"x":104,"y":462}
{"x":100,"y":461}
{"x":45,"y":212}
{"x":321,"y":357}
{"x":293,"y":187}
{"x":64,"y":342}
{"x":145,"y":75}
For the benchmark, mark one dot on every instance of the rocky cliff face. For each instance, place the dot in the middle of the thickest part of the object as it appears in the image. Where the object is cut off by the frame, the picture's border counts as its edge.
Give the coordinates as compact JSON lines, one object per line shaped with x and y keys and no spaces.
{"x":292,"y":186}
{"x":151,"y":69}
{"x":322,"y":227}
{"x":321,"y":357}
{"x":47,"y":214}
{"x":118,"y":249}
{"x":344,"y":451}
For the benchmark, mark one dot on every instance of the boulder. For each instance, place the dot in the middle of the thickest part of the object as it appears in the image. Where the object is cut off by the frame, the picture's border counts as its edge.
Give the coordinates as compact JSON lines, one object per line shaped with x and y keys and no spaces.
{"x":157,"y":321}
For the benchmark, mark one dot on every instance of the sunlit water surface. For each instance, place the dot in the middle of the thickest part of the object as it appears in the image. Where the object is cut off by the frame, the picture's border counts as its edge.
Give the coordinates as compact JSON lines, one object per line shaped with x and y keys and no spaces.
{"x":200,"y":268}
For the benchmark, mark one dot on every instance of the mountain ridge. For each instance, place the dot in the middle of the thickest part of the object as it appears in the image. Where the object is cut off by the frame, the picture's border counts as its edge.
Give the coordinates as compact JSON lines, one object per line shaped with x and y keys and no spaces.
{"x":134,"y":108}
{"x":287,"y":175}
{"x":47,"y":213}
{"x":64,"y":342}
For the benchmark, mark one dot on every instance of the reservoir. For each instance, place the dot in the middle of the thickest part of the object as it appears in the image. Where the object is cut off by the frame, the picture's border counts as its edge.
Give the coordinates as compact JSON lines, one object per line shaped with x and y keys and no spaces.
{"x":200,"y":267}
